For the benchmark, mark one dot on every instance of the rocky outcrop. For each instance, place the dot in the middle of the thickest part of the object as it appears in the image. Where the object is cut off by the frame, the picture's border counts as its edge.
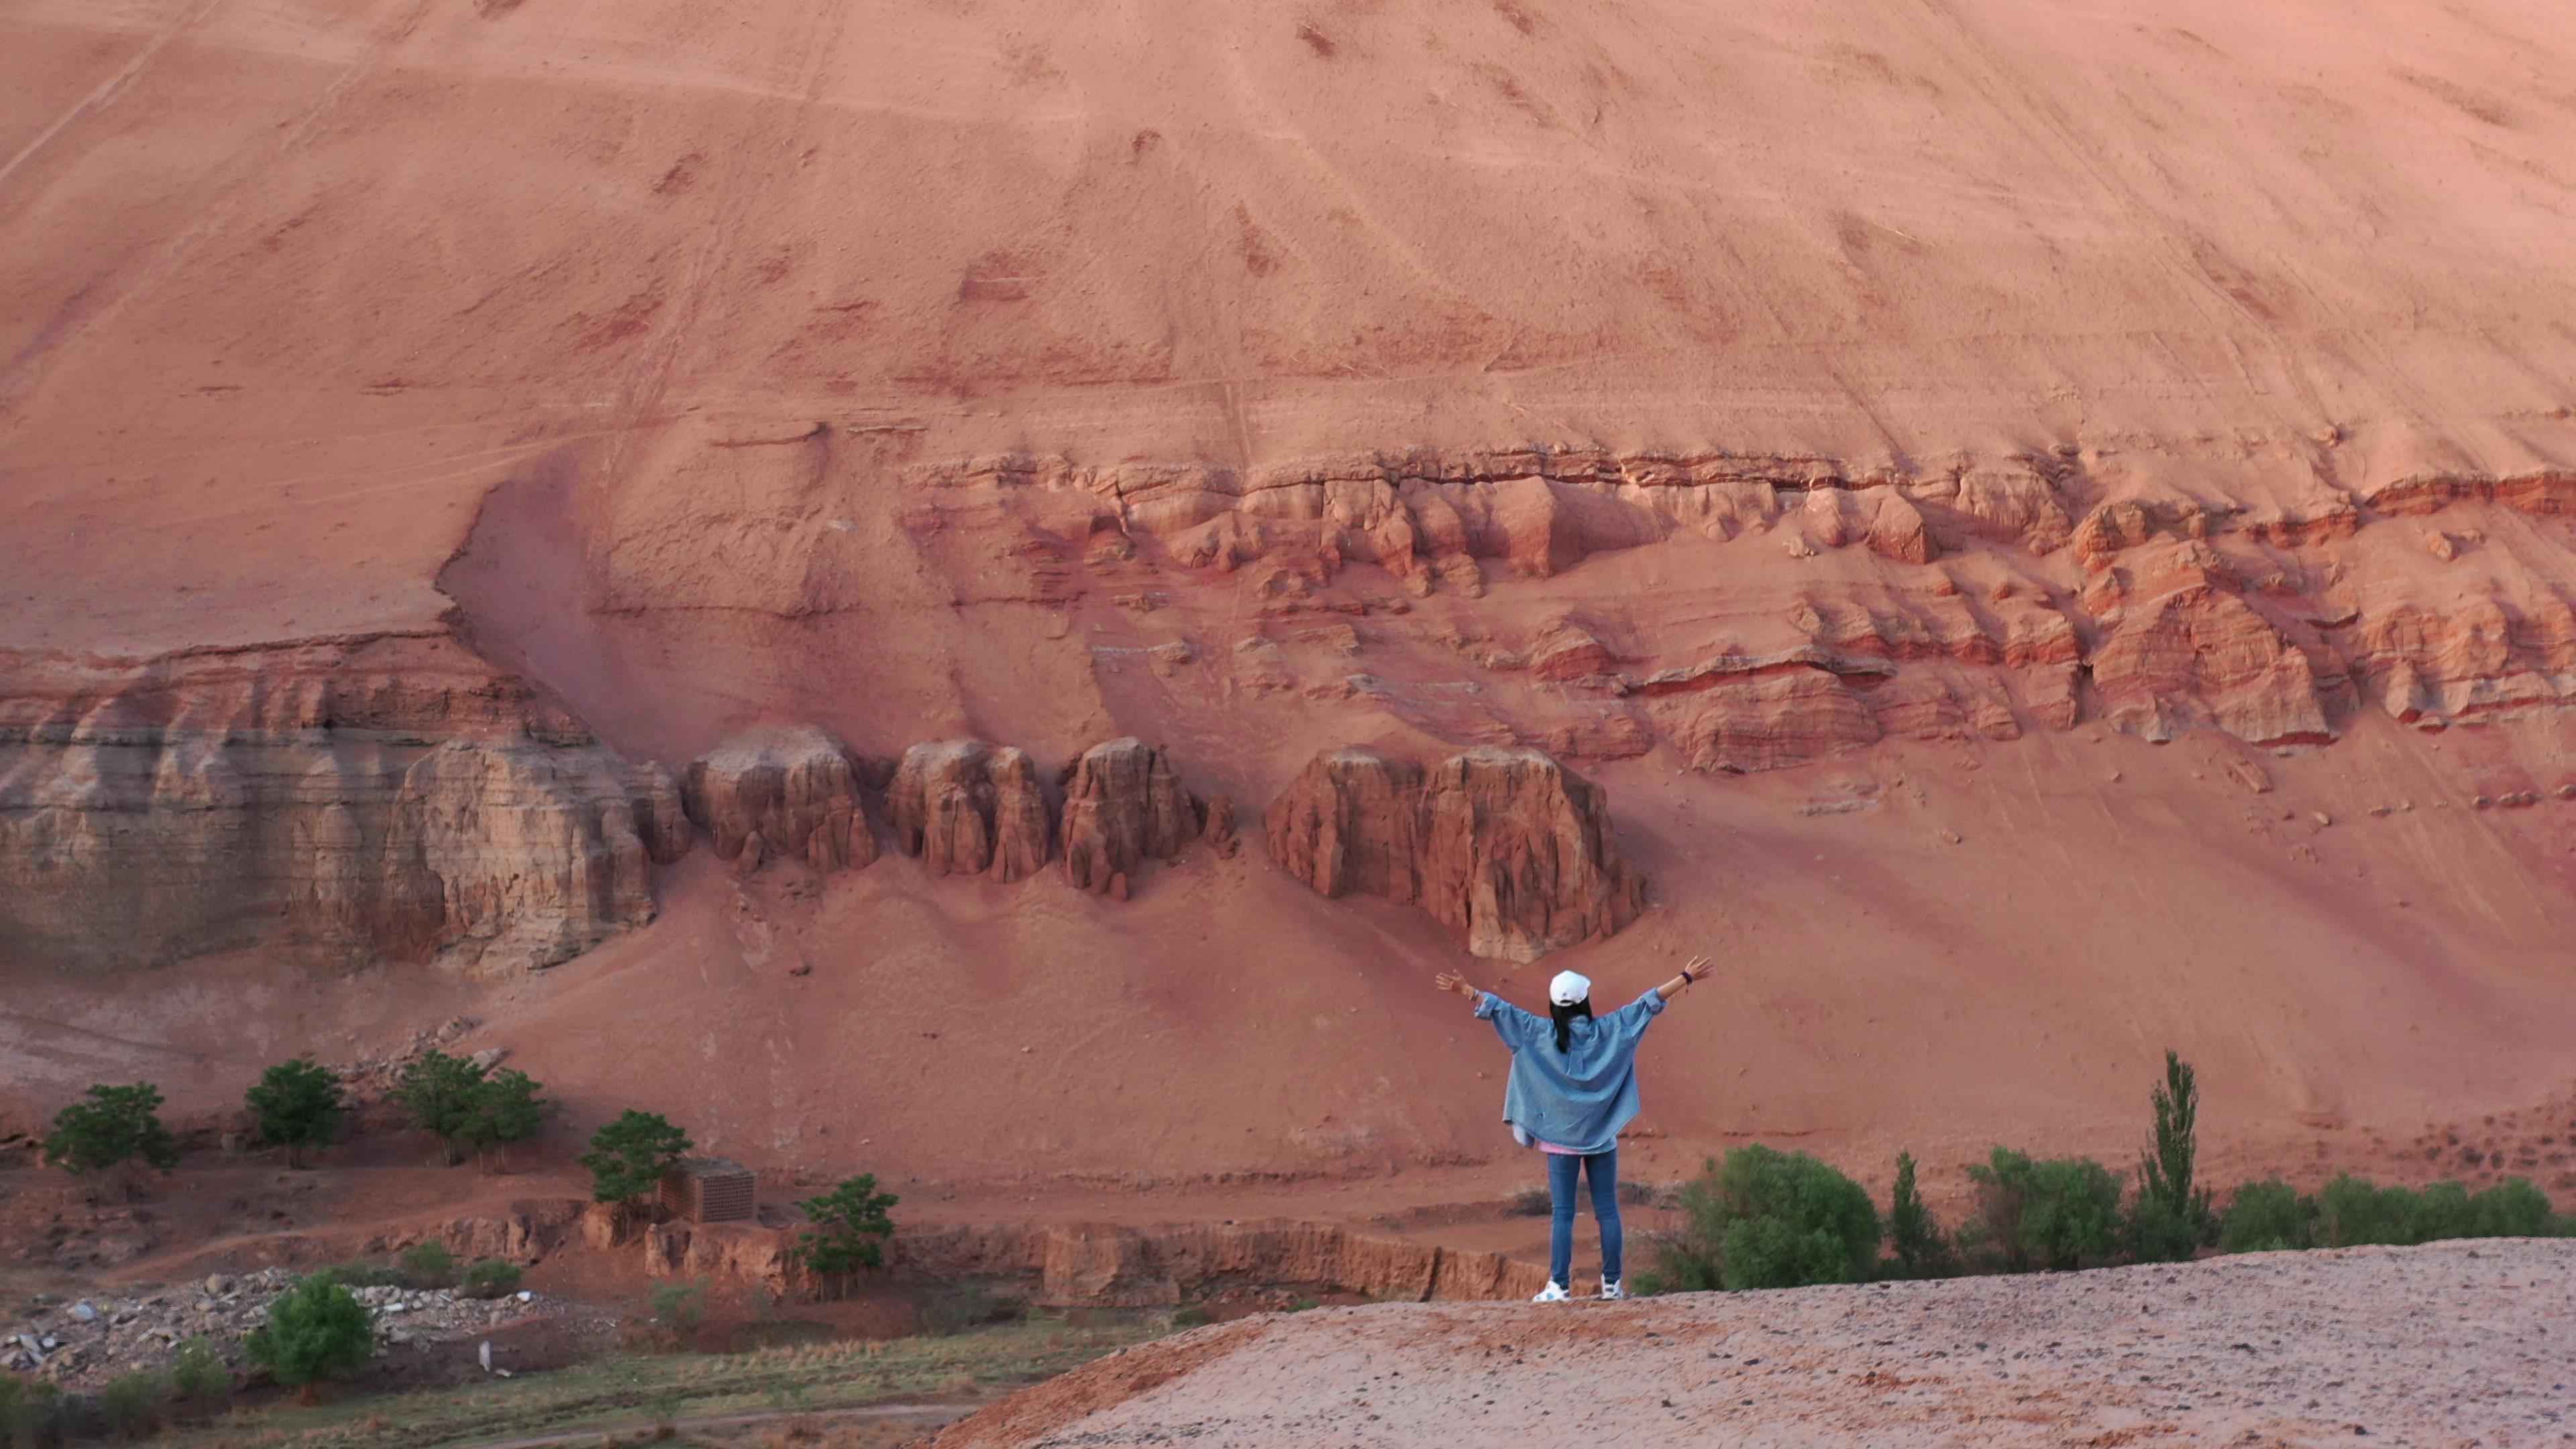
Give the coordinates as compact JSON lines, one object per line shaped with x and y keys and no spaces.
{"x":965,"y":807}
{"x":2183,"y":649}
{"x":1505,"y":846}
{"x":343,"y":801}
{"x":1122,"y":807}
{"x":785,"y":791}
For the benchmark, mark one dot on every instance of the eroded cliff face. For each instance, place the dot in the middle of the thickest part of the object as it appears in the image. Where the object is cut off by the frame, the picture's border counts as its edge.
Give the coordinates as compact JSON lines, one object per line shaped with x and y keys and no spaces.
{"x":965,"y":807}
{"x":1123,"y":806}
{"x":1506,"y":847}
{"x":789,"y":791}
{"x":341,"y":801}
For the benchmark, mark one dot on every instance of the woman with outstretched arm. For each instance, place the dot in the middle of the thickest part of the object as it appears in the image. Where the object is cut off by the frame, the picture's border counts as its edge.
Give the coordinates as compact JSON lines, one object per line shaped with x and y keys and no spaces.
{"x":1573,"y":1085}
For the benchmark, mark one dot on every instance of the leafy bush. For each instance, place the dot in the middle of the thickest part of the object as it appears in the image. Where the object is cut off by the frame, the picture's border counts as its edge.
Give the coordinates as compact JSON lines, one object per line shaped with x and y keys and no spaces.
{"x":1917,"y":1240}
{"x":679,"y":1309}
{"x":2059,"y":1213}
{"x":298,"y":1104}
{"x":315,"y":1329}
{"x":428,"y":1264}
{"x":627,"y":1157}
{"x":355,"y":1274}
{"x":1770,"y":1219}
{"x":956,"y":1307}
{"x":197,"y":1371}
{"x":2268,"y":1217}
{"x":849,"y":1232}
{"x":2171,"y":1217}
{"x":130,"y":1404}
{"x":1191,"y":1315}
{"x":2353,"y":1210}
{"x":109,"y":1126}
{"x":491,"y":1278}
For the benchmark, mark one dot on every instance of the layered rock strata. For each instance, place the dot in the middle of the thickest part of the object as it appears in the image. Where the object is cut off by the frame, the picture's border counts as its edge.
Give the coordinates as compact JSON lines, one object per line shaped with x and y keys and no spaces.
{"x":964,"y":807}
{"x":1505,"y":846}
{"x":345,"y":801}
{"x":792,"y":791}
{"x":2128,"y":598}
{"x":1123,"y":806}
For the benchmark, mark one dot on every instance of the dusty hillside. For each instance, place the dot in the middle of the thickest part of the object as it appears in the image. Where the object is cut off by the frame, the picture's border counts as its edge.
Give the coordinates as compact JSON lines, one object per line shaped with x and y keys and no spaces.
{"x":2450,"y":1344}
{"x":2048,"y":529}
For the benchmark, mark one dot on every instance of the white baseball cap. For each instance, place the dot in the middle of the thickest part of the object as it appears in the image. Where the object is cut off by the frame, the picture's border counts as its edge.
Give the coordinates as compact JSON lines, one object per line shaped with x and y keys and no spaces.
{"x":1568,"y":988}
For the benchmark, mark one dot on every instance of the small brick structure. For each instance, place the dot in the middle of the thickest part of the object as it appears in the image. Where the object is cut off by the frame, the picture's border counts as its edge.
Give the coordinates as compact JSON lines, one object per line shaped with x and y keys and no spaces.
{"x":710,"y":1190}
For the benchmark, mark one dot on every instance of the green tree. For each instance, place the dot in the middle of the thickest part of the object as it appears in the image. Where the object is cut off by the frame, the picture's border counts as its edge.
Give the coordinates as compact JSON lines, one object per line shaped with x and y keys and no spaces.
{"x":2059,"y":1213}
{"x":506,"y":1109}
{"x":2171,"y":1217}
{"x":298,"y":1104}
{"x":315,"y":1329}
{"x":850,"y":1230}
{"x":1919,"y":1242}
{"x":1770,"y":1219}
{"x":2267,"y":1217}
{"x":628,"y":1156}
{"x":109,"y":1126}
{"x":439,"y":1092}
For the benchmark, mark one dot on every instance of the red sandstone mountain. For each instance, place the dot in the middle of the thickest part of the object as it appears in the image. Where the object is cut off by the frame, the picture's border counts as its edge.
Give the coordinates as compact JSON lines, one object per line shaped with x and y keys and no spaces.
{"x":2042,"y":534}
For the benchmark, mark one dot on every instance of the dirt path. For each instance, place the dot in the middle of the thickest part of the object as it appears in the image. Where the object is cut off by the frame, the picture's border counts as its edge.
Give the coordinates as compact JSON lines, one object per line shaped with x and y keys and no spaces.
{"x":2449,"y":1344}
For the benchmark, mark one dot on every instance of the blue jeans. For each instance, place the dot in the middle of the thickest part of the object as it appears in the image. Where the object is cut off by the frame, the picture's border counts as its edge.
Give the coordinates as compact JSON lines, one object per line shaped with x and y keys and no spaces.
{"x":1561,"y":1172}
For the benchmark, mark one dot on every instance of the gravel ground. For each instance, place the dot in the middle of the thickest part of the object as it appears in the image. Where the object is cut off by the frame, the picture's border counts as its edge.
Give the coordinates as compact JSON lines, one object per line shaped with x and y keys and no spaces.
{"x":2452,"y":1344}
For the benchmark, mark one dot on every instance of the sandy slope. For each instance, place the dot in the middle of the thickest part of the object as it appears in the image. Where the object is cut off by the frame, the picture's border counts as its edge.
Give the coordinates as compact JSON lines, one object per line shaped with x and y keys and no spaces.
{"x":2458,"y":1343}
{"x":289,"y":285}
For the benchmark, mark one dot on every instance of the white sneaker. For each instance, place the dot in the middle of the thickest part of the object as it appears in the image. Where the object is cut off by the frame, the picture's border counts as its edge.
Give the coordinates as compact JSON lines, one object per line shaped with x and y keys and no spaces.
{"x":1612,"y":1290}
{"x":1554,"y":1292}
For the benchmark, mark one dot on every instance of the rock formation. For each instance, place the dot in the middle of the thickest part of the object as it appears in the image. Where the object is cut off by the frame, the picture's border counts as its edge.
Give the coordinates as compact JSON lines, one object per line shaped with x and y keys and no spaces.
{"x":385,"y":798}
{"x":1122,"y":807}
{"x":965,"y":807}
{"x":1503,"y":845}
{"x":792,"y":791}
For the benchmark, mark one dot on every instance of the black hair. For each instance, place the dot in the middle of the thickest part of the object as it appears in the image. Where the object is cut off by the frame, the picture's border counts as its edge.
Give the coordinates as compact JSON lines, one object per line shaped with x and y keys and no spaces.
{"x":1564,"y":1018}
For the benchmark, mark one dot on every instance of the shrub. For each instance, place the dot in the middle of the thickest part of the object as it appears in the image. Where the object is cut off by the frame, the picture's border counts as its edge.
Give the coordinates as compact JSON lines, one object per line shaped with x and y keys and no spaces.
{"x":298,"y":1104}
{"x":680,"y":1308}
{"x":956,"y":1307}
{"x":1917,"y":1240}
{"x":438,"y":1093}
{"x":627,"y":1157}
{"x":491,"y":1278}
{"x":1769,"y":1219}
{"x":198,"y":1372}
{"x":356,"y":1274}
{"x":315,"y":1329}
{"x":2268,"y":1217}
{"x":2171,"y":1217}
{"x":2512,"y":1208}
{"x":1191,"y":1315}
{"x":2059,"y":1213}
{"x":849,"y":1232}
{"x":507,"y":1109}
{"x":131,"y":1403}
{"x":428,"y":1264}
{"x":109,"y":1126}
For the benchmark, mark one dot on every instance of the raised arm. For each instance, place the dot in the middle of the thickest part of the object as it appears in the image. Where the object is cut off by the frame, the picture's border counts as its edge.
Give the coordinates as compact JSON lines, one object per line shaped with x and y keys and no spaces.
{"x":1692,"y":971}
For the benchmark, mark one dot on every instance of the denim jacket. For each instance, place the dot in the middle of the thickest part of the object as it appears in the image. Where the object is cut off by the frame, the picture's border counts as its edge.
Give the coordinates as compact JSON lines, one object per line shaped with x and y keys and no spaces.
{"x":1581,"y":1098}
